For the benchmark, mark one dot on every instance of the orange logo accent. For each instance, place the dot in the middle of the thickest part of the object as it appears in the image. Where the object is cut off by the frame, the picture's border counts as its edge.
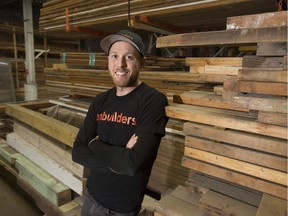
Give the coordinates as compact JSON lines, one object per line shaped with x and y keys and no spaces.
{"x":115,"y":117}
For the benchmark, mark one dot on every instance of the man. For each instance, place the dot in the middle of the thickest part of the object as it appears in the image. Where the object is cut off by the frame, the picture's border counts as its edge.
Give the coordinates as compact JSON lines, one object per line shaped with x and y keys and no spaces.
{"x":121,"y":133}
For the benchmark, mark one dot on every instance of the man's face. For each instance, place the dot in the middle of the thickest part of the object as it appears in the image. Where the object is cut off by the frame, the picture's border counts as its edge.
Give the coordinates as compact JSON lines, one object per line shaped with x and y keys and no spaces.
{"x":124,"y":63}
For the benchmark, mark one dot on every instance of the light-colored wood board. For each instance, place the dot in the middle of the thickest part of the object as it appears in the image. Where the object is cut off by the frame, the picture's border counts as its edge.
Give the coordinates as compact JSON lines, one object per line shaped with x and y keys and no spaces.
{"x":236,"y":177}
{"x":207,"y":99}
{"x":216,"y":61}
{"x":54,"y":128}
{"x":237,"y":165}
{"x":52,"y":149}
{"x":45,"y":162}
{"x":247,"y":140}
{"x":49,"y":187}
{"x":224,"y":120}
{"x":238,"y":153}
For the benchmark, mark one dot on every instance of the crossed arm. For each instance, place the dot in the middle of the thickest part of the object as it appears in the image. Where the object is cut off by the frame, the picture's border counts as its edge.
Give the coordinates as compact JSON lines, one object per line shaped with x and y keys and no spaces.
{"x":139,"y":151}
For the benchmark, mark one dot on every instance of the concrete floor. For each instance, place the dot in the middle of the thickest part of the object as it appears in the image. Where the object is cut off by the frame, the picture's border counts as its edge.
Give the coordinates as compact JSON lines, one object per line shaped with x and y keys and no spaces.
{"x":13,"y":203}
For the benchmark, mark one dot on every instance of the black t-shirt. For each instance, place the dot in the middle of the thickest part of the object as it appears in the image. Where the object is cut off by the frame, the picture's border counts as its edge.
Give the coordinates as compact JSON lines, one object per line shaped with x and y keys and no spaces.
{"x":119,"y":176}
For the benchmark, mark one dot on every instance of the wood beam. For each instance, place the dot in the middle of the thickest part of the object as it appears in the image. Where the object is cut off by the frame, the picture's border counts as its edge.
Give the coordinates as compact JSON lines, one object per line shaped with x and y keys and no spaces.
{"x":150,"y":24}
{"x":226,"y":37}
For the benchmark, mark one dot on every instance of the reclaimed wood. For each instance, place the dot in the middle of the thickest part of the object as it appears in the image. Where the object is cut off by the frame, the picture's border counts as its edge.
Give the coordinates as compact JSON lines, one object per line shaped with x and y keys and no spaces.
{"x":264,"y":63}
{"x":264,"y":20}
{"x":272,"y":49}
{"x":247,"y":140}
{"x":208,"y":99}
{"x":46,"y":163}
{"x":50,"y":148}
{"x":269,"y":88}
{"x":223,"y":119}
{"x":21,"y":185}
{"x":219,"y":204}
{"x":273,"y":118}
{"x":271,"y":205}
{"x":235,"y":191}
{"x":268,"y":103}
{"x":52,"y":127}
{"x":49,"y":187}
{"x":236,"y":177}
{"x":263,"y":75}
{"x":237,"y":165}
{"x":172,"y":206}
{"x":226,"y":37}
{"x":238,"y":153}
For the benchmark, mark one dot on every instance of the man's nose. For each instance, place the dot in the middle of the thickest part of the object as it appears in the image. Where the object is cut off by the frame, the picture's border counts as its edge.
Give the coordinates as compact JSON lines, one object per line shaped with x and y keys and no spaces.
{"x":121,"y":62}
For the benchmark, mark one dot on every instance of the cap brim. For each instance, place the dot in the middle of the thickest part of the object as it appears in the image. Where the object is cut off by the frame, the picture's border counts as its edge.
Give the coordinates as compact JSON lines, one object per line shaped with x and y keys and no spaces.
{"x":109,"y":40}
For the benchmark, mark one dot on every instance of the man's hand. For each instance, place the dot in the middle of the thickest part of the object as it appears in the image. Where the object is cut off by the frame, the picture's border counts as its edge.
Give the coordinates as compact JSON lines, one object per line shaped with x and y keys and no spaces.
{"x":132,"y":141}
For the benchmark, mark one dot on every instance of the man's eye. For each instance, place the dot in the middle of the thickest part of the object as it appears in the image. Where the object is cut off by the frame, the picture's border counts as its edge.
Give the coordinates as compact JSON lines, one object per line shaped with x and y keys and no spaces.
{"x":113,"y":56}
{"x":129,"y":57}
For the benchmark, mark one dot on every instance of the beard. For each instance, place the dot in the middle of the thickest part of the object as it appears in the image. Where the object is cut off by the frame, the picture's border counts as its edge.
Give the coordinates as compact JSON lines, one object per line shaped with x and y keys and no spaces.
{"x":125,"y":81}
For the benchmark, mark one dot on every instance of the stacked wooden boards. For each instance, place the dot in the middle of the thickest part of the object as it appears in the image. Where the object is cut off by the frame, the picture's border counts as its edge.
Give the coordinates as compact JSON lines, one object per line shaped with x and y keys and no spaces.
{"x":113,"y":15}
{"x":239,"y":132}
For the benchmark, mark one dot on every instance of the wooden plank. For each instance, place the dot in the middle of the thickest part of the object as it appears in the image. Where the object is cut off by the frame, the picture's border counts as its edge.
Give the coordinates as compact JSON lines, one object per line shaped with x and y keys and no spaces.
{"x":280,"y":119}
{"x":247,"y":140}
{"x":243,"y":194}
{"x":269,"y":88}
{"x":263,"y":75}
{"x":271,"y":205}
{"x":52,"y":127}
{"x":216,"y":70}
{"x":20,"y":185}
{"x":238,"y":153}
{"x":272,"y":49}
{"x":264,"y":20}
{"x":265,"y":63}
{"x":226,"y":37}
{"x":208,"y":99}
{"x":45,"y":162}
{"x":182,"y":193}
{"x":207,"y":116}
{"x":218,"y":204}
{"x":50,"y":148}
{"x":216,"y":61}
{"x":172,"y":206}
{"x":236,"y":177}
{"x":268,"y":103}
{"x":49,"y":187}
{"x":239,"y":166}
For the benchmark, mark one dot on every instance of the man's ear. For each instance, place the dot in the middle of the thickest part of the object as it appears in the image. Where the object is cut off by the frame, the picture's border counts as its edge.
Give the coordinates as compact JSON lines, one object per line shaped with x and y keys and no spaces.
{"x":143,"y":60}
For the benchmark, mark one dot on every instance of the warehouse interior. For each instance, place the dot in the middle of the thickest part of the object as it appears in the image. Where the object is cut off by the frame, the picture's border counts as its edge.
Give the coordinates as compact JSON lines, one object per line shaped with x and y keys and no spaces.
{"x":222,"y":65}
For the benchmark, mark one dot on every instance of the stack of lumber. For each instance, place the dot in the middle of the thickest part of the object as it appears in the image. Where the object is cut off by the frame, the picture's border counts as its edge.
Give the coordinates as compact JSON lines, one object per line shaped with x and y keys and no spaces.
{"x":45,"y":131}
{"x":238,"y":134}
{"x":89,"y":82}
{"x":83,"y":60}
{"x":52,"y":15}
{"x":97,"y":60}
